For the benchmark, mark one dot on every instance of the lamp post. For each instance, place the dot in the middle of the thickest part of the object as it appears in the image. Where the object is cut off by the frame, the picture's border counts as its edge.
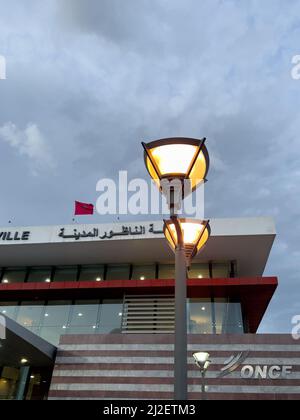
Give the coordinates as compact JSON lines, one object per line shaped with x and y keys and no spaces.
{"x":180,"y":159}
{"x":203,"y":363}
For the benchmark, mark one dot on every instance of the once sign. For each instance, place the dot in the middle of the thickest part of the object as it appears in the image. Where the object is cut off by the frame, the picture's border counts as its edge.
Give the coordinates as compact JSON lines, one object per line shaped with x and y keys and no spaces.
{"x":265,"y":372}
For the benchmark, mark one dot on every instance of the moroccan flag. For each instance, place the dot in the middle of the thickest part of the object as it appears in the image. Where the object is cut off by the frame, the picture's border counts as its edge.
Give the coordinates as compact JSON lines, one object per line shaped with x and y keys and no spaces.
{"x":83,"y":208}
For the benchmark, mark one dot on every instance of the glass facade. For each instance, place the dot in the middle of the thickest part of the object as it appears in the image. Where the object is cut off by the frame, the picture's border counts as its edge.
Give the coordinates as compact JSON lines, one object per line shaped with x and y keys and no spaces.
{"x":166,"y":271}
{"x":65,"y":273}
{"x":55,"y":318}
{"x":29,"y":315}
{"x":113,"y":272}
{"x":214,"y":316}
{"x":52,"y":319}
{"x":110,"y":316}
{"x":14,"y":275}
{"x":91,"y":273}
{"x":39,"y":274}
{"x":83,"y":317}
{"x":200,"y":316}
{"x":228,"y":317}
{"x":118,"y":272}
{"x":144,"y":272}
{"x":220,"y":270}
{"x":199,"y":271}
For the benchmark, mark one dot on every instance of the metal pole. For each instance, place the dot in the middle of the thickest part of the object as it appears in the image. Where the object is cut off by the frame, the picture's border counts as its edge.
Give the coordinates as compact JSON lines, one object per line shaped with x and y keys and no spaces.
{"x":203,"y":385}
{"x":180,"y":350}
{"x":180,"y":347}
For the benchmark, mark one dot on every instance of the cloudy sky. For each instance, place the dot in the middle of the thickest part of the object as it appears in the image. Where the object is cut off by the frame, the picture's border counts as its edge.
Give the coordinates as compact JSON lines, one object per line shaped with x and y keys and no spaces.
{"x":86,"y":81}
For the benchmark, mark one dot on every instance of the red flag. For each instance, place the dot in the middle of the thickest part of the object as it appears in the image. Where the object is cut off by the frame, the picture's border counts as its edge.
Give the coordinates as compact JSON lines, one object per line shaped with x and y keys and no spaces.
{"x":83,"y":208}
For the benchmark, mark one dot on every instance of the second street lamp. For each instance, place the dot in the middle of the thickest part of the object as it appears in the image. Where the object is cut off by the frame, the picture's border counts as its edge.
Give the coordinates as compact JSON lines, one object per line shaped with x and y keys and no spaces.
{"x":180,"y":159}
{"x":186,"y":238}
{"x":203,"y":363}
{"x":195,"y":234}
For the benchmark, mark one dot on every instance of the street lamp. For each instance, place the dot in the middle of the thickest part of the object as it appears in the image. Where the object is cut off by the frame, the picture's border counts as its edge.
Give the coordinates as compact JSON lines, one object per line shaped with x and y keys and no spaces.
{"x":203,"y":363}
{"x":193,"y":233}
{"x":180,"y":159}
{"x":177,"y":158}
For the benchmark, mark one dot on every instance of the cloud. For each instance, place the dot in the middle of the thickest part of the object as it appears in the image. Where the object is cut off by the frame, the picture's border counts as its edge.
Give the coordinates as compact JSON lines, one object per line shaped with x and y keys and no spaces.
{"x":115,"y":21}
{"x":98,"y":77}
{"x":29,"y":143}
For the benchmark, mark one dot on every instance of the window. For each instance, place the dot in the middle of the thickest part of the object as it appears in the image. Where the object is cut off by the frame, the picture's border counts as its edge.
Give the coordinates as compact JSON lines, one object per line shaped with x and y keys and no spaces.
{"x":166,"y":271}
{"x":228,"y":315}
{"x":91,"y":273}
{"x":84,"y":317}
{"x":55,"y":319}
{"x":143,"y":272}
{"x":30,"y":313}
{"x":61,"y":317}
{"x":220,"y":270}
{"x":14,"y":275}
{"x":110,"y":316}
{"x":9,"y":377}
{"x":218,"y":316}
{"x":66,"y":273}
{"x":9,"y":309}
{"x":199,"y":316}
{"x":199,"y":271}
{"x":118,"y":272}
{"x":39,"y":274}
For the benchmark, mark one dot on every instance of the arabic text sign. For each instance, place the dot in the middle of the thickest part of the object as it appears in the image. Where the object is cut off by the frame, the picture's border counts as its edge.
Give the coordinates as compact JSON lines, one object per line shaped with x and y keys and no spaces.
{"x":96,"y":234}
{"x":79,"y":232}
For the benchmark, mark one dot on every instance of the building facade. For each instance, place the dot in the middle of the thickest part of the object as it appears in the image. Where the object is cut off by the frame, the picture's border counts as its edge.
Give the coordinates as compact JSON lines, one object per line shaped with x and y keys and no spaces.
{"x":89,"y":313}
